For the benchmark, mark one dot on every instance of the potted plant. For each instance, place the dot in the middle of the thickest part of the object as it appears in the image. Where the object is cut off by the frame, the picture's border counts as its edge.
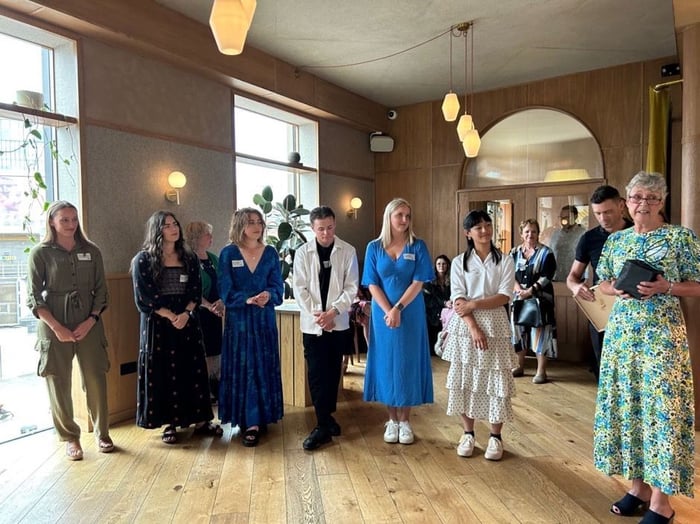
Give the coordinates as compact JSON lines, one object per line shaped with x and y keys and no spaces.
{"x":290,"y":222}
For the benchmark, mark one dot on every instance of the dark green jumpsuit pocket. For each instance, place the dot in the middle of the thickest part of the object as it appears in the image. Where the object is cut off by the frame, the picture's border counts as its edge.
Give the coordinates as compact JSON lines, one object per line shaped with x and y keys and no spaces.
{"x":47,"y":364}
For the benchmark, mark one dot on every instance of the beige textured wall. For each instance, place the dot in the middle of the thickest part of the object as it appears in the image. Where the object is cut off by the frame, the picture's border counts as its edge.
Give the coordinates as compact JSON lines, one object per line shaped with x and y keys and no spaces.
{"x":143,"y":118}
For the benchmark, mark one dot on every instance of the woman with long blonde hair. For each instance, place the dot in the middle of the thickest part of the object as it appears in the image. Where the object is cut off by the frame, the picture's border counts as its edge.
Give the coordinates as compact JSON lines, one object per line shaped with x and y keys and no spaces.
{"x":398,"y":371}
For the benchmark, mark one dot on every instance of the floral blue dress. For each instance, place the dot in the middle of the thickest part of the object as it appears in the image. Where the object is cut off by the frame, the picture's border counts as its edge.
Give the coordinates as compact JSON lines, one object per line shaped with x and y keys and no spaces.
{"x":250,"y":391}
{"x":398,"y":372}
{"x":644,"y":417}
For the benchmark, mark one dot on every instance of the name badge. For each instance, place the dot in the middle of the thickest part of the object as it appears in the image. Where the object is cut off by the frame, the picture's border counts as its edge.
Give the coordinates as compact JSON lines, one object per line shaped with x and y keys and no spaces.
{"x":326,"y":264}
{"x":84,"y":257}
{"x":409,"y":256}
{"x":236,"y":263}
{"x":184,"y":278}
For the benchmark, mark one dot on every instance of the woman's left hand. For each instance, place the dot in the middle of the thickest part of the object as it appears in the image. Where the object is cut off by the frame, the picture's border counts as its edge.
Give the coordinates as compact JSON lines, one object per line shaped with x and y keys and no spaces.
{"x":658,"y":287}
{"x":393,"y":318}
{"x":83,"y":328}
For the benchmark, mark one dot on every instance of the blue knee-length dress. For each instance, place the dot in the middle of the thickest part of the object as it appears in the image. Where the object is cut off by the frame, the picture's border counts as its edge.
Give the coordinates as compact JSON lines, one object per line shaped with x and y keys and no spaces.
{"x":398,"y":371}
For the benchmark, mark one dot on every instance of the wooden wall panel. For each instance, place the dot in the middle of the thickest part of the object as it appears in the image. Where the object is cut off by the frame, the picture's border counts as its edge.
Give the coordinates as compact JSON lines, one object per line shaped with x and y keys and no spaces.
{"x":411,"y":131}
{"x":446,"y":147}
{"x":121,"y":324}
{"x":445,"y":224}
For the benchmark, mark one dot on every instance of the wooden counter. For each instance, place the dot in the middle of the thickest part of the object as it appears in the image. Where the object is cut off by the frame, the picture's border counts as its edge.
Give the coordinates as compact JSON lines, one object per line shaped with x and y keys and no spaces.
{"x":295,"y":388}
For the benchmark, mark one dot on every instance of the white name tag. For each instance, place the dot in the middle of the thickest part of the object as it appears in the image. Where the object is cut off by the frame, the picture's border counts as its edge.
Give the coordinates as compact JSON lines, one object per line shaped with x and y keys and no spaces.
{"x":236,"y":263}
{"x":84,"y":257}
{"x":184,"y":278}
{"x":409,"y":256}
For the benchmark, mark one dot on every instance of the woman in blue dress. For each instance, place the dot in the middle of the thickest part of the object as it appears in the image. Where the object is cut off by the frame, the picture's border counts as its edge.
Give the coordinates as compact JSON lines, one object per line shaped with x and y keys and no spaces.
{"x":250,"y":285}
{"x":398,"y":371}
{"x":644,"y":421}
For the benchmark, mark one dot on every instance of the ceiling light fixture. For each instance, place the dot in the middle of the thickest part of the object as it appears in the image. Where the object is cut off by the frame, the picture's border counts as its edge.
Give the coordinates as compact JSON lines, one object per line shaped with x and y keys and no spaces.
{"x":229,"y":22}
{"x":450,"y":105}
{"x":467,"y":133}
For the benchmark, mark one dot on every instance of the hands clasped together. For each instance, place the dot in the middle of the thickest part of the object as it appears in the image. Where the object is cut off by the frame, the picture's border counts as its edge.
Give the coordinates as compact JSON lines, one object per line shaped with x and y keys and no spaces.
{"x":260,"y":299}
{"x":464,"y":309}
{"x":63,"y":334}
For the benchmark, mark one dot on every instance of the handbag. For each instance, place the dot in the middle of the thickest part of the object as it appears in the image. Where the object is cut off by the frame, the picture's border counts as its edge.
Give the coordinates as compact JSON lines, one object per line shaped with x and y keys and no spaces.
{"x":633,"y":272}
{"x":527,"y":313}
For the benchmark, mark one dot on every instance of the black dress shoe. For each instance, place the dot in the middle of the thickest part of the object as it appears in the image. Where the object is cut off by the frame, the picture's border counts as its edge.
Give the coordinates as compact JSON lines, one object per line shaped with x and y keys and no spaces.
{"x":316,"y":438}
{"x":334,"y":429}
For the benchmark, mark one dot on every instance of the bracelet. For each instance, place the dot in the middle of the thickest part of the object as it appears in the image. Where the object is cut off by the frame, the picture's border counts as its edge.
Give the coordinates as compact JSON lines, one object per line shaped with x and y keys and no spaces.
{"x":190,"y":313}
{"x":96,"y":318}
{"x":670,"y":287}
{"x":336,"y":311}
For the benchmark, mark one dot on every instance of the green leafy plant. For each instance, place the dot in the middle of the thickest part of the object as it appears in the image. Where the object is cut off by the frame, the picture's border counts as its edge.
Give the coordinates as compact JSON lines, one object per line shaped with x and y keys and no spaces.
{"x":32,"y":145}
{"x":290,"y":222}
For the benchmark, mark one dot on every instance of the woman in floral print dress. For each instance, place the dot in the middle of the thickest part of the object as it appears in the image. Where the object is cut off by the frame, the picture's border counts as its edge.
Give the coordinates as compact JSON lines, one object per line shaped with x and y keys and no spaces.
{"x":644,"y":422}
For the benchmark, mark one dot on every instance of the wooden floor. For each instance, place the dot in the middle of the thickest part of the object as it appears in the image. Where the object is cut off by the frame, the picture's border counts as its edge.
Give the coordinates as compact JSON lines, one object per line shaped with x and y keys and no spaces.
{"x":546,"y":474}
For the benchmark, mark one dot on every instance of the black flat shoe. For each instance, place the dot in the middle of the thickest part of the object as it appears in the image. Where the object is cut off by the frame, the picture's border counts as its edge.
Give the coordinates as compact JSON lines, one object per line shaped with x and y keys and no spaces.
{"x":334,"y":429}
{"x":652,"y":517}
{"x":209,"y":429}
{"x":628,"y":506}
{"x":316,"y":439}
{"x":251,"y":437}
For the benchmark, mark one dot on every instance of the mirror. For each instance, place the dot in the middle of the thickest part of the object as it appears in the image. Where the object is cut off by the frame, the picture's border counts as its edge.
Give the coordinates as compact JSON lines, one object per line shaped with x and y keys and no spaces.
{"x":535,"y":146}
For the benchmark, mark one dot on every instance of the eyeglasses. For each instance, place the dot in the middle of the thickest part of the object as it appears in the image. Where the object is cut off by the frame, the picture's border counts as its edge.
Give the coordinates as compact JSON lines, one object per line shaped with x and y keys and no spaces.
{"x":637,"y":199}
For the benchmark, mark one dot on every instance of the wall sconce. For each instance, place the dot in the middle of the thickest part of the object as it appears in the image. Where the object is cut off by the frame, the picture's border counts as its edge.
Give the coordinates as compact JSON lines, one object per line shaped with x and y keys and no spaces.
{"x":176,"y":180}
{"x":355,"y":204}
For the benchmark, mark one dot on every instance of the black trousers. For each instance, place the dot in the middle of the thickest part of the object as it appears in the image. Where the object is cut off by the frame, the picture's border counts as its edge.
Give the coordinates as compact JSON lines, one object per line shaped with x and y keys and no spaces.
{"x":324,"y":356}
{"x":597,"y":343}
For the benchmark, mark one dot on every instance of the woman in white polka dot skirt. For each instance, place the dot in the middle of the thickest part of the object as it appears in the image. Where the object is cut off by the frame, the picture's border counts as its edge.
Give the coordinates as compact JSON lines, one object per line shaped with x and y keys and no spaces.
{"x":478,"y":343}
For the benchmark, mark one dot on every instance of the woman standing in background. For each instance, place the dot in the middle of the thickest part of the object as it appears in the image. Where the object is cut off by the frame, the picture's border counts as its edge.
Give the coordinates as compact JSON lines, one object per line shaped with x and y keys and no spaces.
{"x":436,"y":294}
{"x":534,"y":269}
{"x":211,"y":310}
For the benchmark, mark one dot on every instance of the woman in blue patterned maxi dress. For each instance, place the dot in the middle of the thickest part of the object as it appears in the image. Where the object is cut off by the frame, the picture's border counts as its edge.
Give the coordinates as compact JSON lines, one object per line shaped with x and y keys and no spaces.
{"x":398,"y":371}
{"x":644,"y":421}
{"x":250,"y":285}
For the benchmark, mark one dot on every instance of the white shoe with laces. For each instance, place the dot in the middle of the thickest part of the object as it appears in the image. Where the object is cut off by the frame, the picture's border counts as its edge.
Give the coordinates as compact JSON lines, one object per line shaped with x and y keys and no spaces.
{"x":465,"y":448}
{"x":405,"y":433}
{"x":391,"y":434}
{"x":494,"y":451}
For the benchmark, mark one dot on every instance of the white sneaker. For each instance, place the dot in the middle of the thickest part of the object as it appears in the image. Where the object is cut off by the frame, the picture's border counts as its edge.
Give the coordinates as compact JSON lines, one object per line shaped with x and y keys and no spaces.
{"x":391,"y":434}
{"x":494,"y":451}
{"x":465,"y":448}
{"x":405,"y":433}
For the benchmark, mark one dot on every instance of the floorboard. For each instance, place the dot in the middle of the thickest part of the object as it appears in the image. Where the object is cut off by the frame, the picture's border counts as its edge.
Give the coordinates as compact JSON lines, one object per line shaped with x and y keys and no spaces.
{"x":546,"y":476}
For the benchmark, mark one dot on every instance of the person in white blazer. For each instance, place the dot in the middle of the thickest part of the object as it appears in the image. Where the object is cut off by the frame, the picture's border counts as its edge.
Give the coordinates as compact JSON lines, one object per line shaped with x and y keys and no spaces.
{"x":325,"y":281}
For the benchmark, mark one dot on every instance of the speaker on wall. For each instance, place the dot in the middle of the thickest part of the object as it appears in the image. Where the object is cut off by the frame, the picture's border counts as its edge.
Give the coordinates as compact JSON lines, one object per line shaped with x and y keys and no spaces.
{"x":379,"y":143}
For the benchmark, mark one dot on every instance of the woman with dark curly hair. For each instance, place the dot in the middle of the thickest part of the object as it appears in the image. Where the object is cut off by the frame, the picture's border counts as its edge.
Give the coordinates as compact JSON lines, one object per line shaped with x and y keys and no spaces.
{"x":173,"y":384}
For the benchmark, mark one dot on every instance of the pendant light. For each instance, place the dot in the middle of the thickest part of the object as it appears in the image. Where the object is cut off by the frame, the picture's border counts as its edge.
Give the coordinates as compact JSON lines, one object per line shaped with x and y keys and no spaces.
{"x":229,"y":22}
{"x":450,"y":105}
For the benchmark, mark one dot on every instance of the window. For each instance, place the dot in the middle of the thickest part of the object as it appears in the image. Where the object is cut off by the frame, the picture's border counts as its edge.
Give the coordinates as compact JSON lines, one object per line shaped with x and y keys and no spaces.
{"x":267,"y":140}
{"x":38,"y":134}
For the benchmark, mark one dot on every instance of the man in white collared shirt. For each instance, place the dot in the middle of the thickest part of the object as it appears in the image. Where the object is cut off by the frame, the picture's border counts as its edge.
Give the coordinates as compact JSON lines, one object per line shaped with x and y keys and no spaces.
{"x":325,"y":281}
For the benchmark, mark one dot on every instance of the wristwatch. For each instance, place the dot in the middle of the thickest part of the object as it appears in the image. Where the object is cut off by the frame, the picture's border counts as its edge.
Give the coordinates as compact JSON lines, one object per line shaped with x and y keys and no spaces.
{"x":399,"y":306}
{"x":96,"y":318}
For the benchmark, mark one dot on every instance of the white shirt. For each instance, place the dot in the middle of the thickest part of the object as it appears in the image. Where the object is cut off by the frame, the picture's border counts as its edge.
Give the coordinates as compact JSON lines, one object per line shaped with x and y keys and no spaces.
{"x":342,"y":288}
{"x":484,"y":278}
